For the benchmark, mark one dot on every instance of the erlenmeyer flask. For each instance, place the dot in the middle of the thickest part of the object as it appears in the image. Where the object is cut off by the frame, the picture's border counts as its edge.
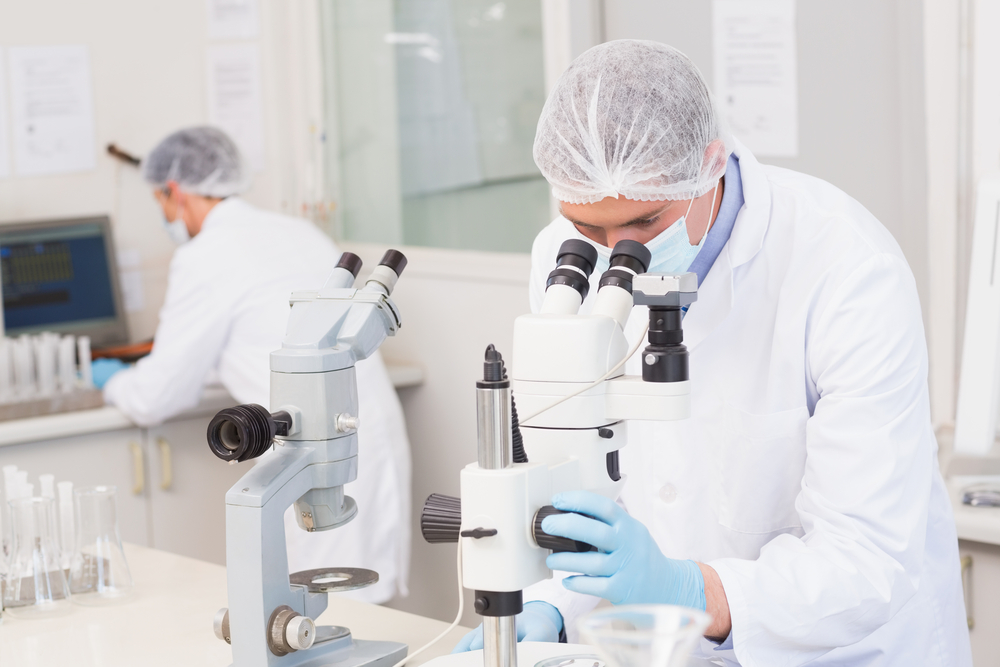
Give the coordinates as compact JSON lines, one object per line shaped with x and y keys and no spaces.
{"x":36,"y":584}
{"x":98,"y":573}
{"x":644,"y":635}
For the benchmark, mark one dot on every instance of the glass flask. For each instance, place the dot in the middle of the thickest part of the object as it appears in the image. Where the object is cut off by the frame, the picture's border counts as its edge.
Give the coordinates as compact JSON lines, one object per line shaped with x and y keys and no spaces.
{"x":98,"y":572}
{"x":35,"y":584}
{"x":645,"y":635}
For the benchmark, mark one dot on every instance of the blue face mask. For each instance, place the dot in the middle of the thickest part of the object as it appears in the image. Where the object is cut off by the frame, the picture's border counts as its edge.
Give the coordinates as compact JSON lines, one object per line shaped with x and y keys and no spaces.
{"x":671,"y":249}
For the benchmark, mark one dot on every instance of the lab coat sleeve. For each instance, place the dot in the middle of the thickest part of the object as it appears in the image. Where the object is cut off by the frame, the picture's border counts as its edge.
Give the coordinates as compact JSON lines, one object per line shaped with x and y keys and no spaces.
{"x":869,"y":463}
{"x":194,"y":325}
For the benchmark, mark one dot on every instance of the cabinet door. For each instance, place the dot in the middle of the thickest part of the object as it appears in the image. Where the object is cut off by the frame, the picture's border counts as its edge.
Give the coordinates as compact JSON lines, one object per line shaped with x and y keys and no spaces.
{"x":188,"y":487}
{"x":111,"y":457}
{"x":981,"y":580}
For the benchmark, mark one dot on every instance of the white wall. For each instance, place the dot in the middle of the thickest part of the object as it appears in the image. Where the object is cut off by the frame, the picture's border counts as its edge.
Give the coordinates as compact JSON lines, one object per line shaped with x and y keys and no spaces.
{"x":148,"y":71}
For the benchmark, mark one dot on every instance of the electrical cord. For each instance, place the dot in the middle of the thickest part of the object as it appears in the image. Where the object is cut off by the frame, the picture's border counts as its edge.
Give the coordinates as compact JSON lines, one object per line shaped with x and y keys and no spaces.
{"x":563,"y":399}
{"x":454,"y":624}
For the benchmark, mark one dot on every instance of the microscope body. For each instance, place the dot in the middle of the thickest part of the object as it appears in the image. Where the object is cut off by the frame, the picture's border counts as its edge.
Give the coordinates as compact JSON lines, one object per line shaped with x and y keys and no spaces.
{"x":567,"y":378}
{"x":308,"y":449}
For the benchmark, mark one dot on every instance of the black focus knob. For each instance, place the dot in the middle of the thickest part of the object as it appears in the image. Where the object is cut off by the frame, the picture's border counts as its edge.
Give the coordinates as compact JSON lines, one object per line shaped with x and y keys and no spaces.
{"x":243,"y":432}
{"x":441,"y":518}
{"x":554,"y":542}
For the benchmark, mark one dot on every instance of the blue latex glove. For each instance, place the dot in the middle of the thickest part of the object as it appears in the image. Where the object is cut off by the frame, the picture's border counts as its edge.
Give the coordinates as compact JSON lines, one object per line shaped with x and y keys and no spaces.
{"x":539,"y":622}
{"x":628,"y":567}
{"x":102,"y":370}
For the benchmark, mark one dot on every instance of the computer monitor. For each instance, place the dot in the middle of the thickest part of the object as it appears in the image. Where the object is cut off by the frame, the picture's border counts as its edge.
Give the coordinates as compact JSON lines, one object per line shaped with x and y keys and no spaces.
{"x":61,"y":275}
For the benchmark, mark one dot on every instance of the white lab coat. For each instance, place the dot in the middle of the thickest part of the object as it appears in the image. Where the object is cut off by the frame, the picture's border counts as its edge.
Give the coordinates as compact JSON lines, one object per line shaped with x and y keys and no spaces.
{"x":807,"y":474}
{"x":225,"y":311}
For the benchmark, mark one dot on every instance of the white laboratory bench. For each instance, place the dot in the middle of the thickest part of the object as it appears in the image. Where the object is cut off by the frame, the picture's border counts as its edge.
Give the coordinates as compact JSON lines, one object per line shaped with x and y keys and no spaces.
{"x":168,"y":622}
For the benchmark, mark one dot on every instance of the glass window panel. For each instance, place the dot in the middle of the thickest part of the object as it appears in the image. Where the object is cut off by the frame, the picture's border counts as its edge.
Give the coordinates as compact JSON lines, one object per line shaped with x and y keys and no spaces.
{"x":431,"y":114}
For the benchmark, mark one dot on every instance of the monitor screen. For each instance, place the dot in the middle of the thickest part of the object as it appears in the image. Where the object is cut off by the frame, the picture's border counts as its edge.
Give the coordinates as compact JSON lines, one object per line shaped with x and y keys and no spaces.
{"x":58,"y":276}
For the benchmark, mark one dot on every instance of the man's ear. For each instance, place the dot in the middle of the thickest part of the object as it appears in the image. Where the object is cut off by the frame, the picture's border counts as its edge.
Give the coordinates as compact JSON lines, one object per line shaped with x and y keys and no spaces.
{"x":715,"y":158}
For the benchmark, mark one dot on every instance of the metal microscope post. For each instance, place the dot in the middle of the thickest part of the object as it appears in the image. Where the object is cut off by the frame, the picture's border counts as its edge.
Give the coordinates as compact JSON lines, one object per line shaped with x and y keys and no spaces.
{"x":495,"y":453}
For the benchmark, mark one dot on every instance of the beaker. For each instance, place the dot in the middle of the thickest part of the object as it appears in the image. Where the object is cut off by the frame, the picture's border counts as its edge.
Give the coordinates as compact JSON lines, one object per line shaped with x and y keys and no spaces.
{"x":98,"y":572}
{"x":36,"y":584}
{"x":644,"y":635}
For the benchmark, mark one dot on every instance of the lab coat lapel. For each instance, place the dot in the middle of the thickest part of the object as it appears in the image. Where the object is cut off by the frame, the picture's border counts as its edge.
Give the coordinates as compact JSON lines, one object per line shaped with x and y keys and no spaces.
{"x":715,"y":296}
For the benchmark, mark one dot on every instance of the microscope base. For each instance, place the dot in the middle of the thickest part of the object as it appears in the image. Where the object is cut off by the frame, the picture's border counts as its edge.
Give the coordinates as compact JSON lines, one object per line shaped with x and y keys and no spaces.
{"x":346,"y":652}
{"x":529,"y":654}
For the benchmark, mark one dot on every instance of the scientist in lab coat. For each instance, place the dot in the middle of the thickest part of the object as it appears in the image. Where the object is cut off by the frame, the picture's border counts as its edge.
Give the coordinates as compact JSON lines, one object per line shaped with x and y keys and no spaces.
{"x":801,"y":505}
{"x":225,"y":311}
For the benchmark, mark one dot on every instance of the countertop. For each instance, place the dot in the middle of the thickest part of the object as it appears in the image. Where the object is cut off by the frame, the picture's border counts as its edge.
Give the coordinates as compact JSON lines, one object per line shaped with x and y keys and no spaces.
{"x":110,"y":418}
{"x":168,"y":622}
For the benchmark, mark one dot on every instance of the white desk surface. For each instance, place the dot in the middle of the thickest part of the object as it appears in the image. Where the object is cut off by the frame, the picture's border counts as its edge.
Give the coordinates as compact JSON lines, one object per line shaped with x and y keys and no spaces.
{"x":168,"y":623}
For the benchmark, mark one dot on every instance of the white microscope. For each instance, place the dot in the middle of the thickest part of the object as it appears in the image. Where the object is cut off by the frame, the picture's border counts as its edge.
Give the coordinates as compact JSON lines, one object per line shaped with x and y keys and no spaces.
{"x":308,"y":449}
{"x":568,"y":379}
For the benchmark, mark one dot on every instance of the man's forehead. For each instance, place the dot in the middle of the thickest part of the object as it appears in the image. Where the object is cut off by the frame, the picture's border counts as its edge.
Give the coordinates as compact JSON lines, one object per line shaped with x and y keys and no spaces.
{"x":613,"y":213}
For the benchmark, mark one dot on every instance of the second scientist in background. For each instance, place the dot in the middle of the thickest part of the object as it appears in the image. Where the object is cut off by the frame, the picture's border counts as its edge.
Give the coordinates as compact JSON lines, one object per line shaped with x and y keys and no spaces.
{"x":226,"y":310}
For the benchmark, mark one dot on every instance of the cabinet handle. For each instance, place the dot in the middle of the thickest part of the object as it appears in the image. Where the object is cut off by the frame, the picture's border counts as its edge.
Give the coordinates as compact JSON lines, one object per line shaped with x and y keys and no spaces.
{"x":138,"y":471}
{"x":967,"y":590}
{"x":166,"y":465}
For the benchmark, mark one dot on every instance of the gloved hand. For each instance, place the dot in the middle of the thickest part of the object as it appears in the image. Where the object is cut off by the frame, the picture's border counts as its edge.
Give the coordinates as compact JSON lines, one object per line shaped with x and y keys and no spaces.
{"x":539,"y":622}
{"x":628,"y":567}
{"x":102,"y":370}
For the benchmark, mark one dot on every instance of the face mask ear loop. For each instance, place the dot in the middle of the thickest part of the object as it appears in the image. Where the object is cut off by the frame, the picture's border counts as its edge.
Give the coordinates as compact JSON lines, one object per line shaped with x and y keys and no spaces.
{"x":711,"y":219}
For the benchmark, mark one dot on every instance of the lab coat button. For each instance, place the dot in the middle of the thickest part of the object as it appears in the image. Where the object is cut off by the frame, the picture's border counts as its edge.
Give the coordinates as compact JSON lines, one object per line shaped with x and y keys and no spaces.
{"x":668,"y":493}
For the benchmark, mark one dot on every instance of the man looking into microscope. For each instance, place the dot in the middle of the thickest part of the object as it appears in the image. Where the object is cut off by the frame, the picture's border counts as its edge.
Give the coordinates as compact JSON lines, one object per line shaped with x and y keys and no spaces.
{"x":801,"y":504}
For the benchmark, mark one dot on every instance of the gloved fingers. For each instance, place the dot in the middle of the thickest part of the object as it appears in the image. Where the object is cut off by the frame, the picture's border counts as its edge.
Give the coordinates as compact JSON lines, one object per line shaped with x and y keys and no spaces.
{"x":591,"y":563}
{"x":533,"y":627}
{"x":583,"y":529}
{"x":597,"y":586}
{"x":589,"y":503}
{"x":470,"y":638}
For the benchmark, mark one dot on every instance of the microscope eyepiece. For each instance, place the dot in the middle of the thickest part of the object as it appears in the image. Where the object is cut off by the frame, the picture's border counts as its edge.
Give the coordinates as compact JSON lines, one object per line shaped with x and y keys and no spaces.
{"x":351,"y":262}
{"x":395,"y":260}
{"x":631,"y":255}
{"x":241,"y":433}
{"x":580,"y":254}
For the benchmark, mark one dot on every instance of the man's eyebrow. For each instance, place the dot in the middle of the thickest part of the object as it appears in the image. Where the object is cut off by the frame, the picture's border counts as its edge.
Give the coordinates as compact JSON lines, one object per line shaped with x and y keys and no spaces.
{"x":641,"y":220}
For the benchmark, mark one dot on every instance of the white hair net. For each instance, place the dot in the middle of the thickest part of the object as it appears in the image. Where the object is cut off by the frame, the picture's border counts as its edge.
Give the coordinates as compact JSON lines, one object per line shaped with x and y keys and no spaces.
{"x":203,"y":160}
{"x":634,"y":119}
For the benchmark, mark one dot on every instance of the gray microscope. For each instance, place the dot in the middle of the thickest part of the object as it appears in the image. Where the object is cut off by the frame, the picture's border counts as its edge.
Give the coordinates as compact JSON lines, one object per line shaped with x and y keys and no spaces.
{"x":307,"y":446}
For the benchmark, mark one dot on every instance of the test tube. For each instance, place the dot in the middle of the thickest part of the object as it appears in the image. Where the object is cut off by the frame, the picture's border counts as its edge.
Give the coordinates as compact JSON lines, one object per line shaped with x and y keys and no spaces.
{"x":24,"y":366}
{"x":67,"y":364}
{"x":66,"y":529}
{"x":48,"y":484}
{"x":6,"y":371}
{"x":45,"y":363}
{"x":21,"y":485}
{"x":83,"y":351}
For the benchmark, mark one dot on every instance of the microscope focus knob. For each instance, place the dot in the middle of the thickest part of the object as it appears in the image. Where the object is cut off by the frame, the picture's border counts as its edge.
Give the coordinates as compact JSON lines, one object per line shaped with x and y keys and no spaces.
{"x":554,"y":542}
{"x":300,"y":633}
{"x":441,"y":518}
{"x":221,"y":625}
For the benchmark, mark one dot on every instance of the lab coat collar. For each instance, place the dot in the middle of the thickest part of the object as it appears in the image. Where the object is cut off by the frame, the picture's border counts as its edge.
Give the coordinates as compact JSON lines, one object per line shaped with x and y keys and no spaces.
{"x":715,"y":295}
{"x":748,"y":233}
{"x":225,"y":209}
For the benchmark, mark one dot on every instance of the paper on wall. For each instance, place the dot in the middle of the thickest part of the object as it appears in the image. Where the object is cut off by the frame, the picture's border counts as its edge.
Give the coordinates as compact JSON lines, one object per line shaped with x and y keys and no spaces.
{"x":756,"y":74}
{"x":4,"y":144}
{"x":232,"y":19}
{"x":52,"y":110}
{"x":234,"y":98}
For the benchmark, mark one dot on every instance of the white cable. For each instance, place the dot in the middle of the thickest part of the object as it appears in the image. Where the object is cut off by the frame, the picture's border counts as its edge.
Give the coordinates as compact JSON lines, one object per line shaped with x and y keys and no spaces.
{"x":628,"y":355}
{"x":454,"y":624}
